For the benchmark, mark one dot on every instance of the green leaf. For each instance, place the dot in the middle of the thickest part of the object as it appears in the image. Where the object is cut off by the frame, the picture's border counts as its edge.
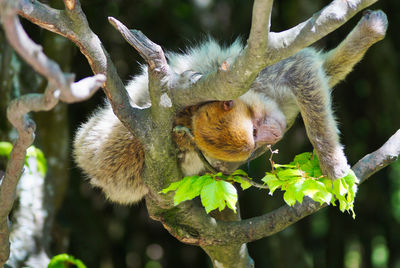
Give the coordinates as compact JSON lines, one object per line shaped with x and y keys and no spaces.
{"x":308,"y":168}
{"x":302,"y":158}
{"x":191,"y":188}
{"x":65,"y":261}
{"x":272,"y":182}
{"x":303,"y":177}
{"x":218,"y":194}
{"x":339,"y":187}
{"x":294,"y":192}
{"x":243,"y":183}
{"x":5,"y":148}
{"x":289,"y":198}
{"x":173,"y":186}
{"x":287,"y":174}
{"x":351,"y":178}
{"x":41,"y":163}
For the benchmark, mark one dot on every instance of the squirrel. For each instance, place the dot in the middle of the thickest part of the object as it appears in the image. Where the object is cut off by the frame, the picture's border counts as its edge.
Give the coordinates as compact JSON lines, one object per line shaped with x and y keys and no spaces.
{"x":229,"y":133}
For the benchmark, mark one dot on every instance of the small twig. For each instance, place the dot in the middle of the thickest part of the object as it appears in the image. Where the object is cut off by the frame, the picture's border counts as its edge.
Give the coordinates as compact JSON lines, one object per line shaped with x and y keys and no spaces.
{"x":255,"y":184}
{"x":205,"y":162}
{"x":269,"y":147}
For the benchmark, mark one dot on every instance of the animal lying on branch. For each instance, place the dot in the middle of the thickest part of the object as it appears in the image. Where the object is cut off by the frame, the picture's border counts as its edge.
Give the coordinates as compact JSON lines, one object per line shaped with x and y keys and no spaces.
{"x":229,"y":133}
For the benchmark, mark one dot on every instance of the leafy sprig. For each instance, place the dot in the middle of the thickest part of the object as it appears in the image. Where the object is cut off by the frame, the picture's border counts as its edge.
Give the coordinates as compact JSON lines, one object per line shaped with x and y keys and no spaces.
{"x":215,"y":190}
{"x":302,"y":177}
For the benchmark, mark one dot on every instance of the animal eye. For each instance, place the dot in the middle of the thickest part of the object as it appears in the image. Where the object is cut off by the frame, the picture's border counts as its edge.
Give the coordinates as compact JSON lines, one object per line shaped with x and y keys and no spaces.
{"x":254,"y":132}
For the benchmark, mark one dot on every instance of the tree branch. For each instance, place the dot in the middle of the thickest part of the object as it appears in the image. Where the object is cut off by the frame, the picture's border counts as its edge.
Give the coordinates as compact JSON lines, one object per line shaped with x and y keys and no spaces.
{"x":260,"y":25}
{"x":259,"y":227}
{"x":287,"y":43}
{"x":191,"y":224}
{"x":148,"y":50}
{"x":158,"y":71}
{"x":60,"y":87}
{"x":44,"y":16}
{"x":384,"y":156}
{"x":72,"y":24}
{"x":265,"y":49}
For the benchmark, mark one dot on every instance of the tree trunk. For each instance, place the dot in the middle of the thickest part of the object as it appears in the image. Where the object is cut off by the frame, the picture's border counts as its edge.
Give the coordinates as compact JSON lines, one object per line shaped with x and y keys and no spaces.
{"x":230,"y":255}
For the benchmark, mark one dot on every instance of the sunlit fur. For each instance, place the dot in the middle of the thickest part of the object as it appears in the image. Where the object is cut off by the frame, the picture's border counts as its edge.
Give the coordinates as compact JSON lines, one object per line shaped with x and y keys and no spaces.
{"x":224,"y":134}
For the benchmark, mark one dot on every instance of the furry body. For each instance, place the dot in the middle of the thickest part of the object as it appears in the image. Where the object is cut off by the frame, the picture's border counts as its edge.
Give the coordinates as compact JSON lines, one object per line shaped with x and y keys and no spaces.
{"x":230,"y":133}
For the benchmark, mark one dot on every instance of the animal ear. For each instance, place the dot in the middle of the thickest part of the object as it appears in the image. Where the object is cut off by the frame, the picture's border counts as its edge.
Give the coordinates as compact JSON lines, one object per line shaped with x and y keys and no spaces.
{"x":227,"y":105}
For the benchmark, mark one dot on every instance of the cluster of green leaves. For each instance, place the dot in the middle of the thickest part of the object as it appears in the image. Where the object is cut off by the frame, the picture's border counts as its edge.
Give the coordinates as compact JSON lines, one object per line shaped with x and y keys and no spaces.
{"x":65,"y":261}
{"x":302,"y":177}
{"x":32,"y":152}
{"x":215,"y":190}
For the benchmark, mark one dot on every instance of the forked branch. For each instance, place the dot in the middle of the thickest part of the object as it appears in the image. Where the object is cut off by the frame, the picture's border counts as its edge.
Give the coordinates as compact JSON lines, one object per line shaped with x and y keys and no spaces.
{"x":60,"y":88}
{"x":72,"y":24}
{"x":265,"y":48}
{"x":286,"y":43}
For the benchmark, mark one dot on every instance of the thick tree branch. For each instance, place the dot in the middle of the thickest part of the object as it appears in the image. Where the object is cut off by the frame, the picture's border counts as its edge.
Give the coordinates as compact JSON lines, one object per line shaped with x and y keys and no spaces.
{"x":159,"y":146}
{"x":236,"y":80}
{"x":285,"y":44}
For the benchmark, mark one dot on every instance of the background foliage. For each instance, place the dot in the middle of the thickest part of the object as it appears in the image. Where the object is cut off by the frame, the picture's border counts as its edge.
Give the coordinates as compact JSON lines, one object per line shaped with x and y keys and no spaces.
{"x":107,"y":235}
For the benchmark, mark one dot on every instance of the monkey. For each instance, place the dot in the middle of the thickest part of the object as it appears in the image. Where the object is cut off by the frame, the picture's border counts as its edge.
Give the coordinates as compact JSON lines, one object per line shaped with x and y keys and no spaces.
{"x":229,"y":133}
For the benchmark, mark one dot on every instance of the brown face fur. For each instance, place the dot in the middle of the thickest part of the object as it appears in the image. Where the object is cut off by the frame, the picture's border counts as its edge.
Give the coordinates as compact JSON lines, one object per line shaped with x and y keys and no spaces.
{"x":224,"y":130}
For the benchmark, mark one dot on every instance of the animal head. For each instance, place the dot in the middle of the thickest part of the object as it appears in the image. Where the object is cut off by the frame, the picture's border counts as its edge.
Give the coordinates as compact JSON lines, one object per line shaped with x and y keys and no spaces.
{"x":232,"y":130}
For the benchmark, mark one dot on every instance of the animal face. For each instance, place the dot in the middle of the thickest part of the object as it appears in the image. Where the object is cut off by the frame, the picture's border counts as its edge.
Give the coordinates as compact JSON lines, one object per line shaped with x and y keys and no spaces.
{"x":232,"y":130}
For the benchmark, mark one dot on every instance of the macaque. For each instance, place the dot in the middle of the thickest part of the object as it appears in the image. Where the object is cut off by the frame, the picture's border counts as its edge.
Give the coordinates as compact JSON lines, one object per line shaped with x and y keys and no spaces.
{"x":229,"y":133}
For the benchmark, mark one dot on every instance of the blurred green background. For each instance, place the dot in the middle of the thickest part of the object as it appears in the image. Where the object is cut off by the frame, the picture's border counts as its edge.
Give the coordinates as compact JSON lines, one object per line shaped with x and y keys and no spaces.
{"x":105,"y":235}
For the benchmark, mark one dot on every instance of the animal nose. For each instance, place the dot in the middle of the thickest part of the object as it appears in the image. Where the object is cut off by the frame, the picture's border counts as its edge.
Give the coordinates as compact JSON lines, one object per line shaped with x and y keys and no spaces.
{"x":270,"y":132}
